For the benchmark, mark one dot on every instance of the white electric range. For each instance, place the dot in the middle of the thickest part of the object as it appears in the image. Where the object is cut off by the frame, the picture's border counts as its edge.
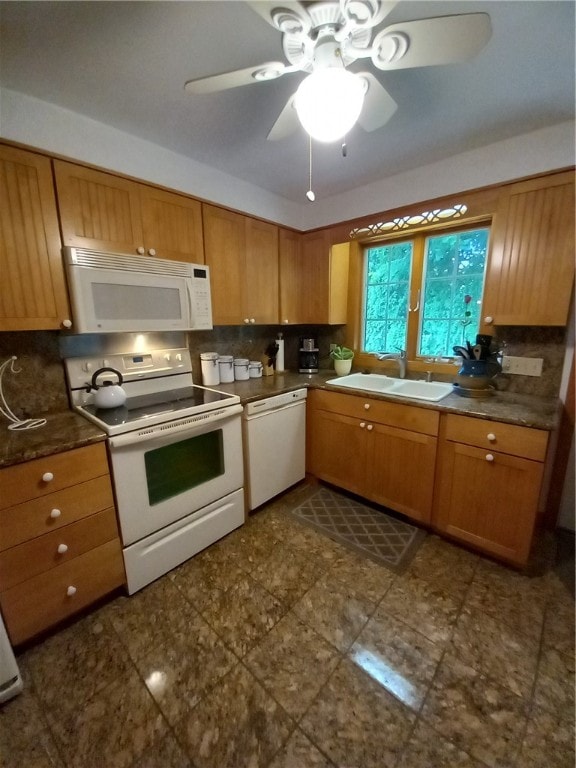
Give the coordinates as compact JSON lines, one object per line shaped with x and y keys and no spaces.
{"x":176,"y":457}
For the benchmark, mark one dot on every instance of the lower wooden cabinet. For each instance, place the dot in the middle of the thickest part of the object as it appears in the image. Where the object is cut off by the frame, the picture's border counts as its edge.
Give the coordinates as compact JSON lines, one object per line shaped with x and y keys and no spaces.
{"x":383,"y":451}
{"x":59,"y":544}
{"x":488,"y":482}
{"x":478,"y":482}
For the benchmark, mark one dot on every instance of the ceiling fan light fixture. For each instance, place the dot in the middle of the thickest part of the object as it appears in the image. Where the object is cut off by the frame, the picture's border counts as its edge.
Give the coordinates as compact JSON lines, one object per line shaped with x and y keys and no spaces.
{"x":328,"y":102}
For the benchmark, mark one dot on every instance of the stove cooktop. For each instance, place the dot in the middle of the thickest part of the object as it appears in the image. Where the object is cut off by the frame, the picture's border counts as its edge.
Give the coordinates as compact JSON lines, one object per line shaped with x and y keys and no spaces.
{"x":141,"y":410}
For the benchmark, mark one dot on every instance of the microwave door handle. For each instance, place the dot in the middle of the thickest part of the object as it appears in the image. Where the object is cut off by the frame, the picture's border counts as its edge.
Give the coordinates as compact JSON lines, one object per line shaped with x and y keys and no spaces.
{"x":190,"y":304}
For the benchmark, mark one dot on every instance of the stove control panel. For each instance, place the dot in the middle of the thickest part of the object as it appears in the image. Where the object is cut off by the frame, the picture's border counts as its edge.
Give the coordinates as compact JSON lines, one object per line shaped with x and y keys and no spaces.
{"x":133,"y":366}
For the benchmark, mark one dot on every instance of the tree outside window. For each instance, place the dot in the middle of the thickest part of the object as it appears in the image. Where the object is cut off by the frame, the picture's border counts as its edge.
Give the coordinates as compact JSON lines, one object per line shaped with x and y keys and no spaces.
{"x":442,"y":275}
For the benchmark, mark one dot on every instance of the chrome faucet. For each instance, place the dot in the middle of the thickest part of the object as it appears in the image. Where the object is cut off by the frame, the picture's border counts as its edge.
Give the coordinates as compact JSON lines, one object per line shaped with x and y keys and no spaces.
{"x":399,"y":356}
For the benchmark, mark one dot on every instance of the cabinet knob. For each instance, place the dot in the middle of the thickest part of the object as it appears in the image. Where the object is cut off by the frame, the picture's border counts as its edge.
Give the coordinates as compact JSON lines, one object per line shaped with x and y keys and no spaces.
{"x":141,"y":250}
{"x":246,"y":320}
{"x":67,"y":323}
{"x":47,"y":477}
{"x":286,"y":321}
{"x":489,"y":319}
{"x":71,"y":591}
{"x":370,"y":427}
{"x":55,"y":513}
{"x":62,"y":548}
{"x":252,"y":320}
{"x":489,"y":457}
{"x":362,"y":424}
{"x":366,"y":406}
{"x":152,"y":251}
{"x":491,"y":436}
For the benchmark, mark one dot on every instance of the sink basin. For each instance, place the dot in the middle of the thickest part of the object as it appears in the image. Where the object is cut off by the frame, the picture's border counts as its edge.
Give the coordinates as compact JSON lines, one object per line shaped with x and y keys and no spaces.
{"x":372,"y":382}
{"x":432,"y":391}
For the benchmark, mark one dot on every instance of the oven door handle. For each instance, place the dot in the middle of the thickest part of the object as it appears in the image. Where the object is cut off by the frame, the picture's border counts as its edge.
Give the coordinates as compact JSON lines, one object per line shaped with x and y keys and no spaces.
{"x":175,"y":427}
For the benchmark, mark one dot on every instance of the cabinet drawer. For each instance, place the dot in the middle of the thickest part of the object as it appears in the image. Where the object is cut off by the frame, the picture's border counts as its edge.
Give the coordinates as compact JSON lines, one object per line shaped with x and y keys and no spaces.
{"x":26,"y":481}
{"x":20,"y":563}
{"x":506,"y":438}
{"x":380,"y":411}
{"x":39,"y":516}
{"x":44,"y":600}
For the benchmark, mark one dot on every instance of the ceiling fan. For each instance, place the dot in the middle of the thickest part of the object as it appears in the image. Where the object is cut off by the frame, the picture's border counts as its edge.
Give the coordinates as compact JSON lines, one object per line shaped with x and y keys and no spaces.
{"x":323,"y":38}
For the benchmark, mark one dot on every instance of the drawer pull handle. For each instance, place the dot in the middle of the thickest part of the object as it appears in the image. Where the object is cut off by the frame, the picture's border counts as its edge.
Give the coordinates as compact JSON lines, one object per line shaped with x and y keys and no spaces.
{"x":489,"y":457}
{"x":71,"y":591}
{"x":370,"y":427}
{"x":491,"y":436}
{"x":62,"y":548}
{"x":55,"y":513}
{"x":366,"y":406}
{"x":362,"y":424}
{"x":48,"y":477}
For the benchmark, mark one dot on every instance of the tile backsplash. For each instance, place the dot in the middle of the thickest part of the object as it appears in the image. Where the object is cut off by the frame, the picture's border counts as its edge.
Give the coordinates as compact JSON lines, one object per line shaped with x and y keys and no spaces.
{"x":40,"y":387}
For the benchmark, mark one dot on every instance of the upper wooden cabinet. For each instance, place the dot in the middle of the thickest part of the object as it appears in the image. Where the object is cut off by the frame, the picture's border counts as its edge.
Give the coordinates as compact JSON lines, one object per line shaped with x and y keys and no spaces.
{"x":105,"y":212}
{"x":313,"y":279}
{"x":33,"y":287}
{"x":242,"y":254}
{"x":531,"y":263}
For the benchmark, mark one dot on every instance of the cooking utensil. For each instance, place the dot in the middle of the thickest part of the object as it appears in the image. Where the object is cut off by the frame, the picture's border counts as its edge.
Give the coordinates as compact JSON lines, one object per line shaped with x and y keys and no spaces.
{"x":462,"y":351}
{"x":107,"y":394}
{"x":478,"y":351}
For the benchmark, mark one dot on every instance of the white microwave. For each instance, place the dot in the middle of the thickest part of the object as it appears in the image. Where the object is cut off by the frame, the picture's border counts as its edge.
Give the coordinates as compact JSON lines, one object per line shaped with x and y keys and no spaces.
{"x":114,"y":293}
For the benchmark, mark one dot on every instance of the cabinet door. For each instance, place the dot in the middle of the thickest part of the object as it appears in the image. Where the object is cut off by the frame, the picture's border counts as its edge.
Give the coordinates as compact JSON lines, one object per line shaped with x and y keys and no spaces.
{"x":316,"y":274}
{"x":98,"y":210}
{"x":488,"y":499}
{"x":338,"y":450}
{"x":225,"y":248}
{"x":294,"y":288}
{"x":531,"y":264}
{"x":172,"y":225}
{"x":401,"y":470}
{"x":260,"y":285}
{"x":33,"y":287}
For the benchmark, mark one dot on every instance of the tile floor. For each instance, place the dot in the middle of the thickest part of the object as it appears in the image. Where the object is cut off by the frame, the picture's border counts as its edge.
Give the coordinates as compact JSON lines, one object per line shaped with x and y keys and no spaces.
{"x":278,"y":648}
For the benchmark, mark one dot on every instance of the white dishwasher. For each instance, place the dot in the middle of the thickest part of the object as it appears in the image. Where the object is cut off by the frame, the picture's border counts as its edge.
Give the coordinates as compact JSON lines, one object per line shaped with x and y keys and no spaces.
{"x":275,"y":445}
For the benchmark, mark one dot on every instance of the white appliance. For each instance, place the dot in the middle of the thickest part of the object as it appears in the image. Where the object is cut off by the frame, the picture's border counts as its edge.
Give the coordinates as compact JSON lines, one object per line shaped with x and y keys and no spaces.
{"x":10,"y":680}
{"x":275,"y":432}
{"x":112,"y":293}
{"x":176,"y":456}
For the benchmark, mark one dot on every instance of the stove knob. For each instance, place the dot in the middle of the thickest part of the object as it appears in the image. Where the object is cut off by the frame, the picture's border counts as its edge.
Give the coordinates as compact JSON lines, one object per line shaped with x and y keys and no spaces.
{"x":87,"y":366}
{"x":167,"y":358}
{"x":179,"y":357}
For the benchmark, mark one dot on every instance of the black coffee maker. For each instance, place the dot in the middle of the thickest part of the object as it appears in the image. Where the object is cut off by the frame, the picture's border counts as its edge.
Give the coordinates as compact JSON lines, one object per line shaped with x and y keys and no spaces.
{"x":308,"y":355}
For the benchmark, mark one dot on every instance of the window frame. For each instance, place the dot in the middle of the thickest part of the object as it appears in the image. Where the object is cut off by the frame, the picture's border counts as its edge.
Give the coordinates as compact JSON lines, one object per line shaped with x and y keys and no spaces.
{"x":368,"y":360}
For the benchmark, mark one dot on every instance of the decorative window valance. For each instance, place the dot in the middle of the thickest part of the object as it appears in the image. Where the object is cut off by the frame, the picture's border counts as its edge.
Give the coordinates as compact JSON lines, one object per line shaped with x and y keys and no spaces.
{"x":405,"y":222}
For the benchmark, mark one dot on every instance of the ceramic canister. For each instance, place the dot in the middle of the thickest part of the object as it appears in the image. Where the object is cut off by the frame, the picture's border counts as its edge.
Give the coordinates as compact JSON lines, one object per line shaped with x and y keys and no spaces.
{"x":226,"y":365}
{"x":210,"y":368}
{"x":241,"y":372}
{"x":255,"y":369}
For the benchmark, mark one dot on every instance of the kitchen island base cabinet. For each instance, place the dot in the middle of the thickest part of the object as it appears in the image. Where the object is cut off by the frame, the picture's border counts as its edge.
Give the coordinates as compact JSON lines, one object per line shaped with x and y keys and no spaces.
{"x":488,"y":485}
{"x":382,"y":451}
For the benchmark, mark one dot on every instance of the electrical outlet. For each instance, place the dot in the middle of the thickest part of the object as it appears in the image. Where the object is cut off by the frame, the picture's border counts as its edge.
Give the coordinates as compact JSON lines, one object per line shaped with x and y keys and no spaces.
{"x":524,"y":366}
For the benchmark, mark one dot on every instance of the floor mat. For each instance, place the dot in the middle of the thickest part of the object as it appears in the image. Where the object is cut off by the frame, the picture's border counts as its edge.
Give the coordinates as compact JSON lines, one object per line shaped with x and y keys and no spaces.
{"x":366,"y":529}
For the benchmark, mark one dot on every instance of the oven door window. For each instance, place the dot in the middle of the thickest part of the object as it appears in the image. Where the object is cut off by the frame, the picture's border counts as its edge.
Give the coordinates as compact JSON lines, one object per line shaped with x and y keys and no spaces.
{"x":180,"y":466}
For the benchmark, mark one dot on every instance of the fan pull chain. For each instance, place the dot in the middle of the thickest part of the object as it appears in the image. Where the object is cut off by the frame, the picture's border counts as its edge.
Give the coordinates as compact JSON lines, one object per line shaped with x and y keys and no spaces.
{"x":310,"y":194}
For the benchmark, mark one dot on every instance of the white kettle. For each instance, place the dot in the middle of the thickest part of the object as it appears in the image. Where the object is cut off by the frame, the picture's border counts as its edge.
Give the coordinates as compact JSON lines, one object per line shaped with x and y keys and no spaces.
{"x":107,"y":394}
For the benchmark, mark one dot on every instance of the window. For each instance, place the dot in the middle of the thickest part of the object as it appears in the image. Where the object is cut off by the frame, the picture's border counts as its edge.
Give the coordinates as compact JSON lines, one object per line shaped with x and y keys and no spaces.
{"x":424,"y":293}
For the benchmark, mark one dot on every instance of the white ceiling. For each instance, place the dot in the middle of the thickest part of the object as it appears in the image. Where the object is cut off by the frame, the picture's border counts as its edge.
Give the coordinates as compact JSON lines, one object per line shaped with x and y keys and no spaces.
{"x":125,"y":64}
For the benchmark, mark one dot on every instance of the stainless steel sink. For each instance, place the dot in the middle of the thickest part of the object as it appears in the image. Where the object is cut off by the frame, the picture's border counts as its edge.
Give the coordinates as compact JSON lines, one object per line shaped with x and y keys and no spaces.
{"x":432,"y":391}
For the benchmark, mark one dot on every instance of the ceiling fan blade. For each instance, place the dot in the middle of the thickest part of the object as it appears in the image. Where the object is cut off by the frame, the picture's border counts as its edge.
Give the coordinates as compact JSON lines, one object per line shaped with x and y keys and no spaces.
{"x":290,"y":17}
{"x":378,"y":106}
{"x":286,"y":123}
{"x":427,"y":42}
{"x":259,"y":74}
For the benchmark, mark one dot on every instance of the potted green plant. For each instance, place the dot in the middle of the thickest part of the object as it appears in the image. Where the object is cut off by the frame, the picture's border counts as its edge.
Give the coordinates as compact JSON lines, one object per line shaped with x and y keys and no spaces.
{"x":342,"y":357}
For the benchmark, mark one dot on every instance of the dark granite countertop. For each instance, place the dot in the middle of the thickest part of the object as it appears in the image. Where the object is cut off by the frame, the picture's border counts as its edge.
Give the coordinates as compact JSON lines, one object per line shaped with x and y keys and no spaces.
{"x":62,"y":432}
{"x":524,"y":410}
{"x":67,"y":430}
